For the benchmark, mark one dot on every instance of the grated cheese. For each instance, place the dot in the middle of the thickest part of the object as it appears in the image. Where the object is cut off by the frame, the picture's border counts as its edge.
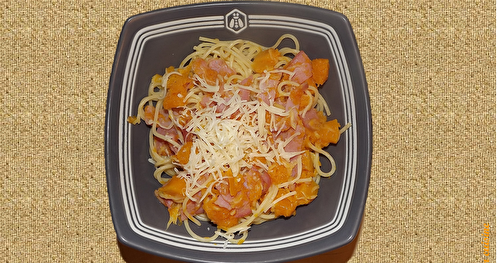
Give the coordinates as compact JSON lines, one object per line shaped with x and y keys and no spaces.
{"x":232,"y":138}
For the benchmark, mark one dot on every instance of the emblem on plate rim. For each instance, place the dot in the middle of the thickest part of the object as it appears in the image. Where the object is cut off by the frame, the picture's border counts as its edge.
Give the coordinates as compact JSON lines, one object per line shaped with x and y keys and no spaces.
{"x":236,"y":21}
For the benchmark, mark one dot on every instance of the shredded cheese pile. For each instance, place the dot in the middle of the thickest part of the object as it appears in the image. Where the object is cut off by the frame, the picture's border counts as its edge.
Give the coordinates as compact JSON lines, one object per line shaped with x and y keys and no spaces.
{"x":235,"y":138}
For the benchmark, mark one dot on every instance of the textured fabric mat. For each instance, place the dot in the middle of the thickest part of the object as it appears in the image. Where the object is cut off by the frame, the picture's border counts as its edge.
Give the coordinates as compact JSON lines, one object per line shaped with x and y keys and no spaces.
{"x":430,"y":70}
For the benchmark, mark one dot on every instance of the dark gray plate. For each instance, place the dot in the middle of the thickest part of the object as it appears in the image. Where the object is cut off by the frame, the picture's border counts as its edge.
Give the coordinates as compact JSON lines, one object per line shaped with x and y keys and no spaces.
{"x":151,"y":42}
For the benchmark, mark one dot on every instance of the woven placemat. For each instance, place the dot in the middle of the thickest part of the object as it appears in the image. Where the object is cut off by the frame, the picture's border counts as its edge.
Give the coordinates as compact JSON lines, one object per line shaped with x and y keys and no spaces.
{"x":430,"y":67}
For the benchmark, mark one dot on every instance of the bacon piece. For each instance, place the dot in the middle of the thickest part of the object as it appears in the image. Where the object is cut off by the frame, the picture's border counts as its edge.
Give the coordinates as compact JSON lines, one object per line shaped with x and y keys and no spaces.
{"x":166,"y":202}
{"x":149,"y":114}
{"x":172,"y":134}
{"x":271,"y":83}
{"x":163,"y":119}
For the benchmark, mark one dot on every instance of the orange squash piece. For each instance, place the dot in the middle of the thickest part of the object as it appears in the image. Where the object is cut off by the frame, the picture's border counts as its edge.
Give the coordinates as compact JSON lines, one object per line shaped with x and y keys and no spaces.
{"x":182,"y":155}
{"x":296,"y":95}
{"x":177,"y":89}
{"x":307,"y":165}
{"x":174,"y":212}
{"x":320,"y":67}
{"x":329,"y":133}
{"x":173,"y":190}
{"x":156,"y":78}
{"x":265,"y":60}
{"x":149,"y":114}
{"x":254,"y":187}
{"x":306,"y":192}
{"x":235,"y":183}
{"x":200,"y":67}
{"x":285,"y":207}
{"x":218,"y":215}
{"x":278,"y":173}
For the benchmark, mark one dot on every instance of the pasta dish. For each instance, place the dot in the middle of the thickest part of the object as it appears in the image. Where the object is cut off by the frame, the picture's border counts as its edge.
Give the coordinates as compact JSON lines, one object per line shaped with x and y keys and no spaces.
{"x":237,"y":131}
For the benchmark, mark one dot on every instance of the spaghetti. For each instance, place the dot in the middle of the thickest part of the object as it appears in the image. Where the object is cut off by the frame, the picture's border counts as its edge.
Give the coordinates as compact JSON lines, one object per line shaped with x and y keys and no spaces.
{"x":237,"y":131}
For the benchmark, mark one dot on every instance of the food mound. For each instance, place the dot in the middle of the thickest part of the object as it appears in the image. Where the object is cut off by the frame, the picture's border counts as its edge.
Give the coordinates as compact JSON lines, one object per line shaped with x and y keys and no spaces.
{"x":236,"y":134}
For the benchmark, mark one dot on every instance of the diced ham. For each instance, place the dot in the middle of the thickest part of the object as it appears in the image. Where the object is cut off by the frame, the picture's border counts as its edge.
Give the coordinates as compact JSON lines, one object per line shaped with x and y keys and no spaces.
{"x":266,"y":181}
{"x":295,"y":145}
{"x":302,"y":73}
{"x":289,"y":104}
{"x":211,"y":69}
{"x":222,"y":202}
{"x":149,"y":114}
{"x":221,"y":107}
{"x":244,"y":94}
{"x":269,"y":84}
{"x":268,"y":88}
{"x":166,"y":202}
{"x":243,"y":211}
{"x":310,"y":119}
{"x":194,"y":208}
{"x":301,"y":65}
{"x":163,"y":119}
{"x":268,"y":96}
{"x":162,"y":147}
{"x":206,"y":100}
{"x":172,"y":133}
{"x":248,"y":81}
{"x":201,"y":68}
{"x":294,"y":174}
{"x":221,"y":67}
{"x":188,"y":137}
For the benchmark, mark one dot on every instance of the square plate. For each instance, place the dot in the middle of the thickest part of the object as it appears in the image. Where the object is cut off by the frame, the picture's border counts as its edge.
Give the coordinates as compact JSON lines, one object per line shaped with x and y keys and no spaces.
{"x":152,"y":41}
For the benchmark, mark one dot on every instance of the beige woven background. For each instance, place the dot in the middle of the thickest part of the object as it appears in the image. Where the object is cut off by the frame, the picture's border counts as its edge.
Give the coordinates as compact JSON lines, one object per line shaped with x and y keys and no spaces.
{"x":430,"y":67}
